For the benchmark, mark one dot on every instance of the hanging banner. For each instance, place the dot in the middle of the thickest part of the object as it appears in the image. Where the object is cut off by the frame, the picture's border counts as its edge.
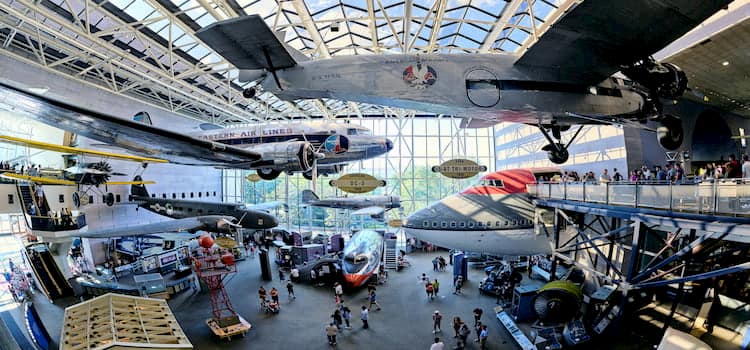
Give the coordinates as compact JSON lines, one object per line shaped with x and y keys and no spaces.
{"x":357,"y":183}
{"x":459,"y":168}
{"x":253,"y":177}
{"x":395,"y":223}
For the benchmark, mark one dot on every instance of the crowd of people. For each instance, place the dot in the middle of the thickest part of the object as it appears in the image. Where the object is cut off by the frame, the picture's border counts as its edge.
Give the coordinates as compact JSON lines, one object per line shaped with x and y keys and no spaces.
{"x":24,"y":169}
{"x":670,"y":172}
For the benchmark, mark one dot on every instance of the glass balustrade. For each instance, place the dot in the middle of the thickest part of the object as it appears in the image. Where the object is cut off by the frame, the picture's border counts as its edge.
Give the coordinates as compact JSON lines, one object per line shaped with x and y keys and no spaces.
{"x":719,"y":197}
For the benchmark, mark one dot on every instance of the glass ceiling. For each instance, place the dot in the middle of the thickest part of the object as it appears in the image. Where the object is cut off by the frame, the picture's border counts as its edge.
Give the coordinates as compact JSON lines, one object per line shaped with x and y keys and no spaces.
{"x":158,"y":57}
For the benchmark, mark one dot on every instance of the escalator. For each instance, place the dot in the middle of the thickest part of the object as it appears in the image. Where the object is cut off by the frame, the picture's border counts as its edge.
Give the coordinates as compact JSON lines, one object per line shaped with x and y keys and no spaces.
{"x":46,"y":272}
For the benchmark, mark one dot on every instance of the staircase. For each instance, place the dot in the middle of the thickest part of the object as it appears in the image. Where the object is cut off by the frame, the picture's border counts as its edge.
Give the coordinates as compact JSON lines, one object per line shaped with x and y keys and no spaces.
{"x":391,"y":254}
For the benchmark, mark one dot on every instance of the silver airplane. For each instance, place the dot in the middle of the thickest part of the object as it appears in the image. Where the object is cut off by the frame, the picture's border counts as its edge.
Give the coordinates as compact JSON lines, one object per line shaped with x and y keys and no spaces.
{"x":496,"y":217}
{"x":269,"y":148}
{"x":565,"y":78}
{"x":374,"y":206}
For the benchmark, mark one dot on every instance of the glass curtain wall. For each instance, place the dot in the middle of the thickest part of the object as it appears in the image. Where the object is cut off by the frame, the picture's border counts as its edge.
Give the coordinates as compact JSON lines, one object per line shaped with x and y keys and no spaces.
{"x":419,"y":144}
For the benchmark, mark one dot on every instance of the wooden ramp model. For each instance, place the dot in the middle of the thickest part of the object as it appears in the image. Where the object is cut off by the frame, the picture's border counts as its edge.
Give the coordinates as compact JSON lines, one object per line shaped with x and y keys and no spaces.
{"x":115,"y":321}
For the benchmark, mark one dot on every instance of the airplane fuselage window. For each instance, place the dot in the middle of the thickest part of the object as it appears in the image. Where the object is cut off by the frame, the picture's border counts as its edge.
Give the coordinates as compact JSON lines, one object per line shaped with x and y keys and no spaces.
{"x":183,"y":195}
{"x":434,"y":224}
{"x":174,"y":195}
{"x":462,"y":224}
{"x":200,"y":194}
{"x":506,"y":222}
{"x":471,"y":224}
{"x":444,"y":224}
{"x":480,"y":224}
{"x":425,"y":224}
{"x":453,"y":224}
{"x":489,"y":224}
{"x":117,"y":198}
{"x":214,"y":193}
{"x":497,"y":224}
{"x":91,"y":199}
{"x":190,"y":210}
{"x":191,"y":194}
{"x":10,"y":199}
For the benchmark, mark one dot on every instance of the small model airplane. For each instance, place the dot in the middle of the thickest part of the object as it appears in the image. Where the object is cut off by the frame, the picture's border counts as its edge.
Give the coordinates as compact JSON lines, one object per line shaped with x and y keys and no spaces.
{"x":87,"y":174}
{"x":373,"y":206}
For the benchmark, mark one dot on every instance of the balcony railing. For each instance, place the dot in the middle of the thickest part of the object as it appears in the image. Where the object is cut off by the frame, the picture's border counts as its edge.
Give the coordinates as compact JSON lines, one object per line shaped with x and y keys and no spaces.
{"x":726,"y":197}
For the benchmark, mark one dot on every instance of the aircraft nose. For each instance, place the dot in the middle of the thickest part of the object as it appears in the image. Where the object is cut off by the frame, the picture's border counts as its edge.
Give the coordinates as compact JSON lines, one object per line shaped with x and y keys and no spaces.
{"x":270,"y":221}
{"x":388,"y":145}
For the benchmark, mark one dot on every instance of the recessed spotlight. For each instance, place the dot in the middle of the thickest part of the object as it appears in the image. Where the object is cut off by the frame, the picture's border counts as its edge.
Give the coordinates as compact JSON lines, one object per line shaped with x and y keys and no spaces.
{"x":725,"y":63}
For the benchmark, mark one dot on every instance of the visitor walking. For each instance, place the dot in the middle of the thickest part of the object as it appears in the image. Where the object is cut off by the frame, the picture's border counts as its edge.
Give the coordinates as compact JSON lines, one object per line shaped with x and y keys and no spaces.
{"x":477,"y":315}
{"x":290,"y":290}
{"x":463,"y":332}
{"x":374,"y":300}
{"x":483,"y":337}
{"x":429,"y":289}
{"x":338,"y":320}
{"x":435,"y":287}
{"x":478,"y":330}
{"x":364,"y":315}
{"x":346,"y":314}
{"x":275,"y":295}
{"x":456,"y":326}
{"x":331,"y":331}
{"x":436,"y":319}
{"x":437,"y":344}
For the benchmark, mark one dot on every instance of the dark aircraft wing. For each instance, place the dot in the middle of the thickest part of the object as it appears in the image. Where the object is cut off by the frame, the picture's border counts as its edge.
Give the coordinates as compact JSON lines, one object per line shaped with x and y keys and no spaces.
{"x":247,"y":43}
{"x":133,"y":136}
{"x":594,"y":39}
{"x":178,"y":225}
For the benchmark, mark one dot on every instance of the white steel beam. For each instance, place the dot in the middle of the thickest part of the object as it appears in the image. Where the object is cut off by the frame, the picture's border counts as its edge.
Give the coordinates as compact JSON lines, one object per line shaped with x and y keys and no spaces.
{"x":310,"y":26}
{"x":437,"y":23}
{"x":508,"y":11}
{"x":373,"y":26}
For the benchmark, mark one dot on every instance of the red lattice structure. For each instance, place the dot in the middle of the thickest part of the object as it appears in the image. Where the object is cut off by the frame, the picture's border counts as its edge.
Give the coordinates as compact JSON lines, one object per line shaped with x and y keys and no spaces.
{"x":211,"y":268}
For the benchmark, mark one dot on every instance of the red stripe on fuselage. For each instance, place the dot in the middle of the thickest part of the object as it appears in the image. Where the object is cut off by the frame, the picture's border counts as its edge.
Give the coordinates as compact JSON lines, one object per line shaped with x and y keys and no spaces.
{"x":514,"y":181}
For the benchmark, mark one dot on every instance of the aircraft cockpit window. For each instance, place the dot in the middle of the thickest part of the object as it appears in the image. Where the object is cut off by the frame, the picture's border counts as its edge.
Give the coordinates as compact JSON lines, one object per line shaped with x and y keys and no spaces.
{"x":490,"y":182}
{"x":351,"y":132}
{"x":360,"y":258}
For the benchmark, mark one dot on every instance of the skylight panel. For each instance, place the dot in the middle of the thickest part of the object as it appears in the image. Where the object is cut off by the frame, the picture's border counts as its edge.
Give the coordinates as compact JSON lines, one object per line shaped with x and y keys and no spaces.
{"x":139,"y":9}
{"x":121,"y":4}
{"x":205,"y":20}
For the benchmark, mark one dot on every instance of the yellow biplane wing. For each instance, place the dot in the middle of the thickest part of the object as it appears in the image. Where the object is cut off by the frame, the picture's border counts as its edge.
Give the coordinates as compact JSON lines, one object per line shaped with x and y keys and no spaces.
{"x":67,"y":149}
{"x":53,"y":181}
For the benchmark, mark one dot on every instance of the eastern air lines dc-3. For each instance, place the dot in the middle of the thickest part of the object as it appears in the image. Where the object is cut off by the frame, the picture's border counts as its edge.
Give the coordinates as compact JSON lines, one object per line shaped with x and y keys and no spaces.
{"x":270,"y":149}
{"x":563,"y":79}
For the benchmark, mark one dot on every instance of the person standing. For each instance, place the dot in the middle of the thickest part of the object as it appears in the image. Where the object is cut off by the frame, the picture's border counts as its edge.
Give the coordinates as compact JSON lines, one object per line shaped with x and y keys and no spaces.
{"x":346,"y":314}
{"x":459,"y":283}
{"x":478,"y":330}
{"x":275,"y":295}
{"x":374,"y":300}
{"x":281,"y":274}
{"x":483,"y":337}
{"x":294,"y":274}
{"x":604,"y":177}
{"x":429,"y":289}
{"x":337,"y":319}
{"x":477,"y":315}
{"x":331,"y":331}
{"x":456,"y":326}
{"x":364,"y":315}
{"x":463,"y":332}
{"x":617,"y":176}
{"x":290,"y":290}
{"x":436,"y":319}
{"x":435,"y":287}
{"x":745,"y":167}
{"x":437,"y":344}
{"x":435,"y":264}
{"x":262,"y":295}
{"x":338,"y":290}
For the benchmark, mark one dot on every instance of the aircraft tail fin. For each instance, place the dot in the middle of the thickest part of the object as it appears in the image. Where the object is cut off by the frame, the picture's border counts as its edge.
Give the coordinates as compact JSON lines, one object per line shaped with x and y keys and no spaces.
{"x":248,"y":43}
{"x":138,"y":190}
{"x":309,"y":196}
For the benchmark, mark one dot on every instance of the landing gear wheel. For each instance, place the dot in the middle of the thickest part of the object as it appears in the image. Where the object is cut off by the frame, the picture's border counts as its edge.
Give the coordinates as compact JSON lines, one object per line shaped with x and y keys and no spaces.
{"x":268,"y":174}
{"x":307,"y":176}
{"x":670,"y":134}
{"x":558,"y":155}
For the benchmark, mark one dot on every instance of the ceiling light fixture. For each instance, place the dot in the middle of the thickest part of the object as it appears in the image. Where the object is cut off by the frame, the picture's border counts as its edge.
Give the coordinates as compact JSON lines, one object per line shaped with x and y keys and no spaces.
{"x":725,"y":63}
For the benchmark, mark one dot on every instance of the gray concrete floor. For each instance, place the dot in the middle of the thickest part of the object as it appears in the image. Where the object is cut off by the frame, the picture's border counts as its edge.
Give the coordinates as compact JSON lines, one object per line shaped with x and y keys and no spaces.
{"x":405,"y":322}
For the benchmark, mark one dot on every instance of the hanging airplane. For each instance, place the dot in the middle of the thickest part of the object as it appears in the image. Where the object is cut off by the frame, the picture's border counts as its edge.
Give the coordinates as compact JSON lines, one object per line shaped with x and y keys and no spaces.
{"x":373,"y":206}
{"x":565,"y":78}
{"x":270,"y":149}
{"x":245,"y":216}
{"x":89,"y":175}
{"x":495,"y":217}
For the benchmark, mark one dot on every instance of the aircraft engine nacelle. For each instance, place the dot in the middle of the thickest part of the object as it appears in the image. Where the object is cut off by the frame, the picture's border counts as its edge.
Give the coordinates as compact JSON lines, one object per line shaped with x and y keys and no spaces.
{"x":330,"y":170}
{"x":297,"y":156}
{"x":666,"y":80}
